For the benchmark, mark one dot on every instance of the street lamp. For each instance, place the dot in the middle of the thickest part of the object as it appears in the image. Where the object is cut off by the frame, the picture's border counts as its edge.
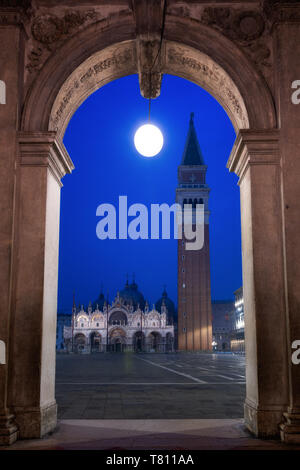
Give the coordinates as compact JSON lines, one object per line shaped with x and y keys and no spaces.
{"x":148,"y":140}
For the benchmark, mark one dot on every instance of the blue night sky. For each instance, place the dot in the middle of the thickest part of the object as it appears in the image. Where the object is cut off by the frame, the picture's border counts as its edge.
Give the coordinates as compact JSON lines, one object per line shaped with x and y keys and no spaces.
{"x":99,"y":139}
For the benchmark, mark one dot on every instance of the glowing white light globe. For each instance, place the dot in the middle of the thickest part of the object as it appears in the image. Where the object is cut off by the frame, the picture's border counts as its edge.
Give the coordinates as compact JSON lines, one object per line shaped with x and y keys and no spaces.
{"x":148,"y":140}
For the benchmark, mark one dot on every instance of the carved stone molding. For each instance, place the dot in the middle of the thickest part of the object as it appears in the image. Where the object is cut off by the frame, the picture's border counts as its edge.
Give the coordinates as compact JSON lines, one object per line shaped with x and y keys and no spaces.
{"x":149,"y":67}
{"x":15,"y":3}
{"x":149,"y":18}
{"x":102,"y":67}
{"x":254,"y":148}
{"x":248,"y":28}
{"x":283,"y":10}
{"x":49,"y":31}
{"x":9,"y":17}
{"x":120,"y":60}
{"x":259,"y":52}
{"x":286,"y":13}
{"x":188,"y":63}
{"x":45,"y":149}
{"x":14,"y":11}
{"x":242,"y":25}
{"x":24,"y":5}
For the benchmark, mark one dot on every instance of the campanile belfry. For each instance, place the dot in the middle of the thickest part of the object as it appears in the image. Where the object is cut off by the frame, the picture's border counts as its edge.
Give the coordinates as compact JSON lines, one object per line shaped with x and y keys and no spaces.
{"x":194,"y":296}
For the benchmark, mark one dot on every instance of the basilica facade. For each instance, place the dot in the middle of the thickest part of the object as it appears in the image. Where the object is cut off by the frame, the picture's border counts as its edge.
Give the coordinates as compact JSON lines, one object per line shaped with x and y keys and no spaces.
{"x":127,"y":324}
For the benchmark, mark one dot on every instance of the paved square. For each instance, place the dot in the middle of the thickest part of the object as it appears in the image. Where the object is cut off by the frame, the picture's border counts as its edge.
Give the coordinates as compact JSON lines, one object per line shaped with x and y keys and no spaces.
{"x":150,"y":386}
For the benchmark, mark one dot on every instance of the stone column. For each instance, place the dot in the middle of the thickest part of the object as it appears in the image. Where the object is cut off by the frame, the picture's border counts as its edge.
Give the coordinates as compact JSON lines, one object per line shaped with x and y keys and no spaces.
{"x":287,"y":40}
{"x":42,"y":163}
{"x":255,"y":159}
{"x":11,"y":76}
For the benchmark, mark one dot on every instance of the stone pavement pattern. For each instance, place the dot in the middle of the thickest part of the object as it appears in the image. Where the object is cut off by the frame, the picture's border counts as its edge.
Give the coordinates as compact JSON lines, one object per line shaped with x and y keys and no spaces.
{"x":150,"y":386}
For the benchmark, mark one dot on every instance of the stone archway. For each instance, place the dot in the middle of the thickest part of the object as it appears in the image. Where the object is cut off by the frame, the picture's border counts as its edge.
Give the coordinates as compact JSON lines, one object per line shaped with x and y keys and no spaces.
{"x":117,"y":340}
{"x":95,"y":342}
{"x":101,"y":52}
{"x":118,"y":318}
{"x":138,"y":341}
{"x":154,"y":340}
{"x":169,"y":345}
{"x":79,"y":343}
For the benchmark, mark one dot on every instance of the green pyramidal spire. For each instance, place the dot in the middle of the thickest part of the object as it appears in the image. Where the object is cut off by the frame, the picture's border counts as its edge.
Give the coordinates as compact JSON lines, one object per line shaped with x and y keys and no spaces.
{"x":192,"y":154}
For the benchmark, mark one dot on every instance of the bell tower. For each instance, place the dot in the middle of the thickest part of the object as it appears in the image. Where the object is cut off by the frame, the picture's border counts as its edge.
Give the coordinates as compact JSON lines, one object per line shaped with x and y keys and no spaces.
{"x":194,"y":295}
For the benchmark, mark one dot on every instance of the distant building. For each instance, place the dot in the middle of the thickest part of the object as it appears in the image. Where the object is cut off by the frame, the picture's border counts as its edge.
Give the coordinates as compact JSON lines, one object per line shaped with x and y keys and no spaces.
{"x":128,"y":324}
{"x":222,"y":324}
{"x":238,"y":331}
{"x":63,"y":320}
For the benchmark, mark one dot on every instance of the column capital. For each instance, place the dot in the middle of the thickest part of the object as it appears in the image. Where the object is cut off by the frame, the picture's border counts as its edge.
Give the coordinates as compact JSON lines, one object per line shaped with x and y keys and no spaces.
{"x":254,"y":147}
{"x":44,"y":149}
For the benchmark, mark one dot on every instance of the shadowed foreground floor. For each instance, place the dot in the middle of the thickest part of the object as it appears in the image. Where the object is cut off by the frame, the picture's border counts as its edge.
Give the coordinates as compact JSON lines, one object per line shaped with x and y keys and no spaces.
{"x":164,"y":402}
{"x":206,"y":434}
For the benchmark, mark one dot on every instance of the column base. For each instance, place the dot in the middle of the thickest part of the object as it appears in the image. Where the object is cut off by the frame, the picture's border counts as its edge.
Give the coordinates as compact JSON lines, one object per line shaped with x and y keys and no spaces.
{"x":34,"y":423}
{"x":290,"y":429}
{"x":263,"y":423}
{"x":8,"y":430}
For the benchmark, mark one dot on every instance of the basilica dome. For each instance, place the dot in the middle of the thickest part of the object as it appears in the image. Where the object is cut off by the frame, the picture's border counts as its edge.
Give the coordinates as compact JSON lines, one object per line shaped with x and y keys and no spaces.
{"x":131,"y":295}
{"x":168,"y":303}
{"x":99,"y":302}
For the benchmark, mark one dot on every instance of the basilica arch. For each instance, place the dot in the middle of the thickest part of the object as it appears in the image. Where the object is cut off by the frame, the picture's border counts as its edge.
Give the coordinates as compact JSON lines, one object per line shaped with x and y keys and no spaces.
{"x":216,"y":58}
{"x":117,"y":339}
{"x":154,"y":340}
{"x":138,"y":341}
{"x":80,"y":342}
{"x":95,"y":341}
{"x":118,"y":318}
